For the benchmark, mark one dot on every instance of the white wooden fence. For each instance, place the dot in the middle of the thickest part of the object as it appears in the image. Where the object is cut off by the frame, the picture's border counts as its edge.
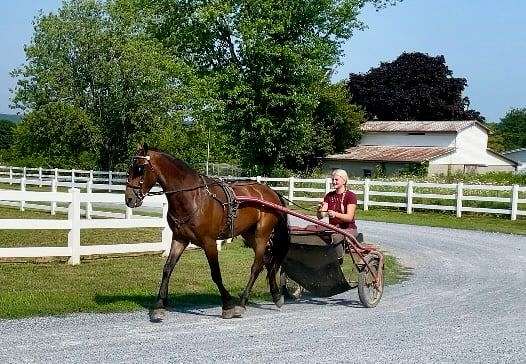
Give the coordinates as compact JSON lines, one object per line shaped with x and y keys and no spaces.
{"x":74,"y":223}
{"x":455,"y":197}
{"x":109,"y":180}
{"x":408,"y":195}
{"x":411,"y":195}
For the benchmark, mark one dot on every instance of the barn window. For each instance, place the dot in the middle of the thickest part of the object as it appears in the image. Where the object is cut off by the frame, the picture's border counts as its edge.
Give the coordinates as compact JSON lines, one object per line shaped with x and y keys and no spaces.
{"x":416,"y":133}
{"x":367,"y":172}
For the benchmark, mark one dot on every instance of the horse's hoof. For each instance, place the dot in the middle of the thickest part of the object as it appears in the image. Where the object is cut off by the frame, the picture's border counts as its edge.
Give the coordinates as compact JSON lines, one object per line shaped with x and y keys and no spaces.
{"x":157,"y":315}
{"x":280,"y":301}
{"x":228,"y":313}
{"x":239,"y":311}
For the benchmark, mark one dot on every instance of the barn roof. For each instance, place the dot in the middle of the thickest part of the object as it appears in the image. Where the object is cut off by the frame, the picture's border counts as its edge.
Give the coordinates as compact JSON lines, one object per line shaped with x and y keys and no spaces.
{"x":391,"y":153}
{"x":513,"y":151}
{"x":419,"y":126}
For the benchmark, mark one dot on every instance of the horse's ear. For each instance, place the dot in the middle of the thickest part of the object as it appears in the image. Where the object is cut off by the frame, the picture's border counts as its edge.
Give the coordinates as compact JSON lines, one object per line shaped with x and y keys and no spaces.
{"x":145,"y":147}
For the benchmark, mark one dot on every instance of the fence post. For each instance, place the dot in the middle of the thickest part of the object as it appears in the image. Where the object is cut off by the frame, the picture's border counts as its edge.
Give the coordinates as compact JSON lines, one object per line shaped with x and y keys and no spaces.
{"x":459,"y":198}
{"x":258,"y":179}
{"x":514,"y":201}
{"x":10,"y":175}
{"x":74,"y":233}
{"x":128,"y":213}
{"x":89,"y":206}
{"x":328,"y":182}
{"x":56,"y":174}
{"x":291,"y":188}
{"x":24,"y":172}
{"x":110,"y":178}
{"x":54,"y":184}
{"x":23,"y":189}
{"x":409,"y":197}
{"x":39,"y":176}
{"x":166,"y":233}
{"x":366,"y":185}
{"x":72,"y":178}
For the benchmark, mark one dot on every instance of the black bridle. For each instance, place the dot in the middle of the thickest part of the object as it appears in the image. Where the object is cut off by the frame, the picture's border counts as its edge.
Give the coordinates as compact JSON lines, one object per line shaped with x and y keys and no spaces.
{"x":137,"y":189}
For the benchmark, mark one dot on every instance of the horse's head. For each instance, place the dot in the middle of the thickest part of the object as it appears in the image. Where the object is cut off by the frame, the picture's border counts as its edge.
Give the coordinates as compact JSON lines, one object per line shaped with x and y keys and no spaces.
{"x":142,"y":176}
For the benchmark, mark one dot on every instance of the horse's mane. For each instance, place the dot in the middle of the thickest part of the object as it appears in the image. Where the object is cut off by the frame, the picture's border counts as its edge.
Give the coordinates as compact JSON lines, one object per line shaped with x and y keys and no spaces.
{"x":181,"y":165}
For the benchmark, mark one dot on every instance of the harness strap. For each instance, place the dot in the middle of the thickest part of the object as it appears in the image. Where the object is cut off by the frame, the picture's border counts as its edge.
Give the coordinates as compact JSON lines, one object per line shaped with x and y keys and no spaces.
{"x":230,"y":206}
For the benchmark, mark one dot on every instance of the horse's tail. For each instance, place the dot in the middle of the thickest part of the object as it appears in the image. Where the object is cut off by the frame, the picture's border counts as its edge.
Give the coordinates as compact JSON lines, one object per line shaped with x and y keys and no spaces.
{"x":280,"y":243}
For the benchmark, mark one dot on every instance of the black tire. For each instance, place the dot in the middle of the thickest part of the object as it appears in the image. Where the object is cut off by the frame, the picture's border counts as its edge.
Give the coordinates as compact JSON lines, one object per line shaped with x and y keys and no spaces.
{"x":291,"y":290}
{"x":369,"y":294}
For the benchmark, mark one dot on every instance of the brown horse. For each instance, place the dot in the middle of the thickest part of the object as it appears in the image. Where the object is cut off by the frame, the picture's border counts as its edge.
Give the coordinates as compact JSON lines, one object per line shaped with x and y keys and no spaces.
{"x":198,"y":213}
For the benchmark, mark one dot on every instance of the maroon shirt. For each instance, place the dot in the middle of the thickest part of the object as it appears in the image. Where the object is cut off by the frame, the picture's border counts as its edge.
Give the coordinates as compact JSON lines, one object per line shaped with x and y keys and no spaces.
{"x":334,"y":200}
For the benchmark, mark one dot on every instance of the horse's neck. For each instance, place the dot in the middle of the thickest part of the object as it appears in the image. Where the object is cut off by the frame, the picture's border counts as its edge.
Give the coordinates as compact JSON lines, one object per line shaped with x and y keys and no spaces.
{"x":174,"y":173}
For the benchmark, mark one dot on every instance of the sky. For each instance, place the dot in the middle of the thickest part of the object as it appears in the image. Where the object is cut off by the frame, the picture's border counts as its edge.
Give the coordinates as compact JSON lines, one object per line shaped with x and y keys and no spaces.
{"x":483,"y":41}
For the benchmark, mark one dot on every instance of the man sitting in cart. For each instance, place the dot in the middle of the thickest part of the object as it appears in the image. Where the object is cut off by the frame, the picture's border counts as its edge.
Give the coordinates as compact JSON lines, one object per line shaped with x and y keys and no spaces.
{"x":340,"y":205}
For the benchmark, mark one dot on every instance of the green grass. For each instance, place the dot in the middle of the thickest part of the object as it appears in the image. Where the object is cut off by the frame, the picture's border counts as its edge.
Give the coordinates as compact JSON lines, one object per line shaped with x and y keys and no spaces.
{"x":119,"y":284}
{"x":492,"y":223}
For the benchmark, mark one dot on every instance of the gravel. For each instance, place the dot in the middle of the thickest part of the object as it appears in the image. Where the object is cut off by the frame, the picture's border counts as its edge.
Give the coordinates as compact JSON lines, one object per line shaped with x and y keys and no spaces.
{"x":464,"y":302}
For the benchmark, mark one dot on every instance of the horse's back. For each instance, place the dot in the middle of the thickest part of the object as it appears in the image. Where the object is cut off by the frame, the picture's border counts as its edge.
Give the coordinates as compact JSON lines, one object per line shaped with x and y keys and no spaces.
{"x":256,"y":190}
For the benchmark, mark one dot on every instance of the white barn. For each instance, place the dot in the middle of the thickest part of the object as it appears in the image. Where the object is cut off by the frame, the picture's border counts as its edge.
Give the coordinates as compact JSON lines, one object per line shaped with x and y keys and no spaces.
{"x":519,"y":156}
{"x":446,"y":146}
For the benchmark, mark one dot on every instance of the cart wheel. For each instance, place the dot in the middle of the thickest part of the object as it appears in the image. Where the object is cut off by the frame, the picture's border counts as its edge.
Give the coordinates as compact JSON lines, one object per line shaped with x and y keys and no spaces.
{"x":291,"y":289}
{"x":370,"y":294}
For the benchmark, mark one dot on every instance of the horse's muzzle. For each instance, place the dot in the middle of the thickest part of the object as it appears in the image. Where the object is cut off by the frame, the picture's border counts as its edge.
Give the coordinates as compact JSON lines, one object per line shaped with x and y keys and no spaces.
{"x":133,"y":198}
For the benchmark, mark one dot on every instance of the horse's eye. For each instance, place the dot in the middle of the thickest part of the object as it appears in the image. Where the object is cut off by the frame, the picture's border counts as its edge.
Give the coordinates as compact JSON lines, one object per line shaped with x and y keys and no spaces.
{"x":139,"y":170}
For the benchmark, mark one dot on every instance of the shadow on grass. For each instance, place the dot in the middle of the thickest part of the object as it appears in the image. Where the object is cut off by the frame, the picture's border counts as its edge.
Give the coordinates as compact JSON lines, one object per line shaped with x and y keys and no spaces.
{"x":196,"y":303}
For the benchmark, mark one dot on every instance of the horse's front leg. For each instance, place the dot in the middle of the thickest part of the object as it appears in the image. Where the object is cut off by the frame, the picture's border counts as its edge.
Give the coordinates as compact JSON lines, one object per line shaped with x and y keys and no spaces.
{"x":228,"y":304}
{"x":177,"y":248}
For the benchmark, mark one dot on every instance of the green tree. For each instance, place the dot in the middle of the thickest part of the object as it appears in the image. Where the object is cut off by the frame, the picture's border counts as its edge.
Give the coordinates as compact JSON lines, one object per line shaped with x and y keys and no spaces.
{"x":42,"y":140}
{"x":512,"y":128}
{"x":6,"y":133}
{"x":269,"y":62}
{"x":94,"y":60}
{"x":496,"y":141}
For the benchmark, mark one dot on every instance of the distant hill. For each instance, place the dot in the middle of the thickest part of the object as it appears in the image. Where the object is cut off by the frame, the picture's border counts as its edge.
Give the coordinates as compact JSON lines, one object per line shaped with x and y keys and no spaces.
{"x":10,"y":117}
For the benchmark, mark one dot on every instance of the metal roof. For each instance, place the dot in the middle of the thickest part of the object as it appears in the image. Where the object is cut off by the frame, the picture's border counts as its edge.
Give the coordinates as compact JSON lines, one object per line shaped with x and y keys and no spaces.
{"x":513,"y":151}
{"x":419,"y":126}
{"x":391,"y":153}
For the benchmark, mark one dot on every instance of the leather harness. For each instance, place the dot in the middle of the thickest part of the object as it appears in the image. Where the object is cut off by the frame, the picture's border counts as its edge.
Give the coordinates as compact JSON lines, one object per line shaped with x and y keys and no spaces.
{"x":230,"y":206}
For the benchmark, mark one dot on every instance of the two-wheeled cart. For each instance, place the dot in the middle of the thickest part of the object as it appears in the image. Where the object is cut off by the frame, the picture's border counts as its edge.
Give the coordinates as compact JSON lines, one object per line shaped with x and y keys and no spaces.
{"x":315,"y":257}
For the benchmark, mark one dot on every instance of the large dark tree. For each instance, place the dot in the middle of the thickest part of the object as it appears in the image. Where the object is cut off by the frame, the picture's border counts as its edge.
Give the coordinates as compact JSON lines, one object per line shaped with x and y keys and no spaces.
{"x":415,"y":86}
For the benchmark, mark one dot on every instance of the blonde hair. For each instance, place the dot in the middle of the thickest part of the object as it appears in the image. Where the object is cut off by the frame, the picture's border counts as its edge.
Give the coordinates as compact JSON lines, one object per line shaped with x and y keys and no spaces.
{"x":342,"y":174}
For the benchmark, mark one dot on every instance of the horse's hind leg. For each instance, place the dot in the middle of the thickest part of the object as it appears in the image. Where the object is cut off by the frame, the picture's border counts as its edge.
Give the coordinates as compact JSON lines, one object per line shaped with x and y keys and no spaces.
{"x":177,"y":248}
{"x":228,"y":305}
{"x":275,"y":291}
{"x":257,"y":266}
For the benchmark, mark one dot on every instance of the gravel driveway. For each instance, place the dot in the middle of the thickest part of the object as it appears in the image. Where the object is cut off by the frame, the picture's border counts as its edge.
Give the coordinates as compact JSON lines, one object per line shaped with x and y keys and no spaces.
{"x":465,"y":302}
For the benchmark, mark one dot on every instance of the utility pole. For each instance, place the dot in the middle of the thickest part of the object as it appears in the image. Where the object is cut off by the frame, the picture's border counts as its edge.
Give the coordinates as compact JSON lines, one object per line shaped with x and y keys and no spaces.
{"x":207,"y":151}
